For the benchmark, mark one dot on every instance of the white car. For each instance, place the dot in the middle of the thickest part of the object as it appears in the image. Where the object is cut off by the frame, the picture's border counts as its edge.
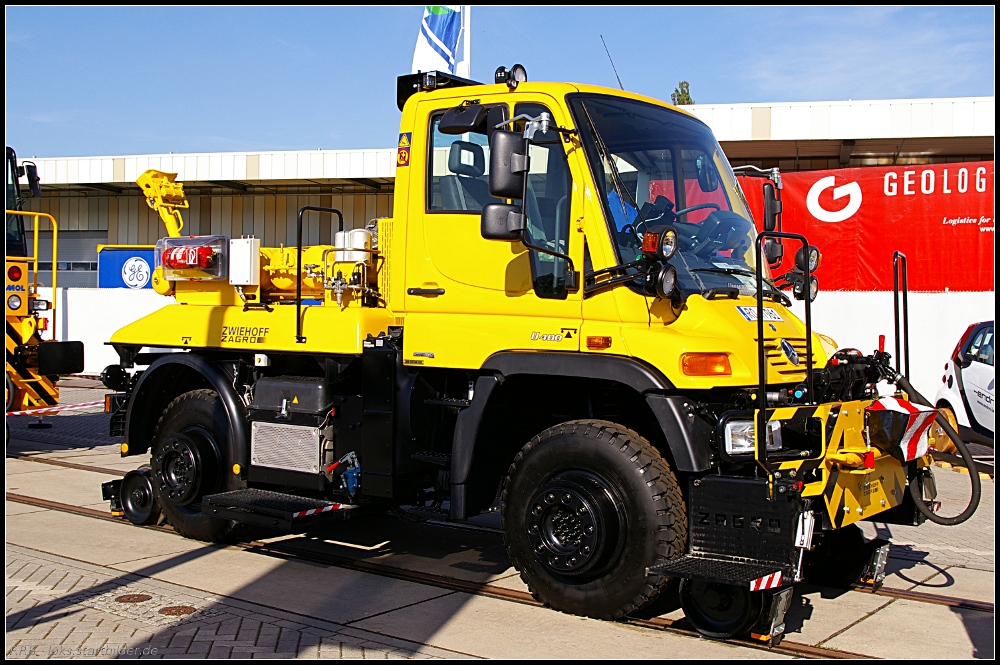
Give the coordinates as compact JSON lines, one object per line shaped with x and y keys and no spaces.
{"x":966,"y":396}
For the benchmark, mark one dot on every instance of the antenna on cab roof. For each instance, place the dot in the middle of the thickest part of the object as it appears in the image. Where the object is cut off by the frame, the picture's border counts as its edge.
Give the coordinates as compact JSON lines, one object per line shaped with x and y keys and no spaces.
{"x":612,"y":63}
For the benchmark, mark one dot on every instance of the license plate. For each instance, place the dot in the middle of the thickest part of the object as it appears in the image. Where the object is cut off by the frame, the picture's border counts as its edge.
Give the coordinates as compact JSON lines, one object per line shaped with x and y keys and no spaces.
{"x":750,"y":313}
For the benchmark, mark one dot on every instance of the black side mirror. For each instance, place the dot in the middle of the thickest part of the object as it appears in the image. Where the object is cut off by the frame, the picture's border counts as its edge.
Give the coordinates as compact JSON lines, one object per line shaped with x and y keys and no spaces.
{"x":508,"y":164}
{"x":462,"y":119}
{"x":501,"y":221}
{"x":772,"y":207}
{"x":34,"y":182}
{"x":774,"y":251}
{"x":708,"y":177}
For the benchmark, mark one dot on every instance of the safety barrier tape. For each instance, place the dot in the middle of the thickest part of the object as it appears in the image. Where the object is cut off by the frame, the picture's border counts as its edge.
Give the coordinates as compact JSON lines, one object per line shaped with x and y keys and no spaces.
{"x":772,"y":581}
{"x":313,"y":511}
{"x":54,"y":409}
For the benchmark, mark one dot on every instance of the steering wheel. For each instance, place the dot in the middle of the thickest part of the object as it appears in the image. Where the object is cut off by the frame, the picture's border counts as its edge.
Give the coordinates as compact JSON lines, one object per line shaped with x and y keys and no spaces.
{"x":698,"y":207}
{"x":716,"y":230}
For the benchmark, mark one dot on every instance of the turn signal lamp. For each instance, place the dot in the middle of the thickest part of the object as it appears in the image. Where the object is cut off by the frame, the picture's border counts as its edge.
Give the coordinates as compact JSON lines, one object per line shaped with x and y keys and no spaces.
{"x":595,"y":343}
{"x":650,"y":242}
{"x":124,"y":449}
{"x":660,"y":245}
{"x":706,"y":364}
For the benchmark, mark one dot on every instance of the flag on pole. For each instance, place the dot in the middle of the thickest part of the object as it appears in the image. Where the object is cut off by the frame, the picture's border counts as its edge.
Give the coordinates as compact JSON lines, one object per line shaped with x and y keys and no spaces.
{"x":437,"y":42}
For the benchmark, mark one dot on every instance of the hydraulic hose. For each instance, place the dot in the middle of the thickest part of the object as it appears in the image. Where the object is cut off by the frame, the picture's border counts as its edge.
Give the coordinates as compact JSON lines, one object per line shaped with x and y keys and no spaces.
{"x":916,"y":491}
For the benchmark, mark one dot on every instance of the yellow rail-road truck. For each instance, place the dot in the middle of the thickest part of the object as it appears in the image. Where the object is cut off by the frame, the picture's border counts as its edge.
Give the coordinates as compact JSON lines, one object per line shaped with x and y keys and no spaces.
{"x":33,"y":363}
{"x":569,"y":318}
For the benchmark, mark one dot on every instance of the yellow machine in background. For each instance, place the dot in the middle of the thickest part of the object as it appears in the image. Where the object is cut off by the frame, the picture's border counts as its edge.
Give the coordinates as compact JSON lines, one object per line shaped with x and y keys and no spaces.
{"x":570,"y":318}
{"x":33,"y":363}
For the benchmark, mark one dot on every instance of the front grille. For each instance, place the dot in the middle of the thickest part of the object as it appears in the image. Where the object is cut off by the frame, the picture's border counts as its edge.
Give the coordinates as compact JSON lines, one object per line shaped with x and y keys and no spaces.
{"x":777,"y":360}
{"x":288,"y":447}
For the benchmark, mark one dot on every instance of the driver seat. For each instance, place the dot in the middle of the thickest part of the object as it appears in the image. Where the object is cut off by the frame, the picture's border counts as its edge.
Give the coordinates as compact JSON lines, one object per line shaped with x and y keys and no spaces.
{"x":466,"y":189}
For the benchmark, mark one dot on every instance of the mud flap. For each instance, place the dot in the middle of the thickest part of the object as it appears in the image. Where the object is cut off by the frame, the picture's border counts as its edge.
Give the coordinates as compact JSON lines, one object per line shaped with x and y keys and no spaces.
{"x":874,"y":573}
{"x":771,"y":626}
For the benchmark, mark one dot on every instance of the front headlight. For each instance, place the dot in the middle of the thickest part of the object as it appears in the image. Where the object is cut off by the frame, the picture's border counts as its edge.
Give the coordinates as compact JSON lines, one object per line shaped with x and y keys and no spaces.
{"x":740,"y":433}
{"x":14,"y":302}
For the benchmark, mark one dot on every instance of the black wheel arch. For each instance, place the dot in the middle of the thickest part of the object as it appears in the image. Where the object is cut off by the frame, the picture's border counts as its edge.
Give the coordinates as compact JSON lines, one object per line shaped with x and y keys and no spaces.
{"x":664,"y":418}
{"x":171,"y":375}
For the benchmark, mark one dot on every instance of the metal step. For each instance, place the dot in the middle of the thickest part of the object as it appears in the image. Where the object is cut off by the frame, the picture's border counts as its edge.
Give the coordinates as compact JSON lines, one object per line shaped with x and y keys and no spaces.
{"x":444,"y":459}
{"x":274,"y":509}
{"x":738,"y":572}
{"x":449,"y":402}
{"x":427,"y":512}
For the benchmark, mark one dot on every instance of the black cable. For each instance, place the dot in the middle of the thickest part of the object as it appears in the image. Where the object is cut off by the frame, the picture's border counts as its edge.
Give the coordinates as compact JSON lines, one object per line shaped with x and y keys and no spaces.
{"x":916,"y":491}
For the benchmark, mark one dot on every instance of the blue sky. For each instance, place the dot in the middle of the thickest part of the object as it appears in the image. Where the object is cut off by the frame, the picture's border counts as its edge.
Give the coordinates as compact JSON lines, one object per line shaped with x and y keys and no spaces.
{"x":101,"y":81}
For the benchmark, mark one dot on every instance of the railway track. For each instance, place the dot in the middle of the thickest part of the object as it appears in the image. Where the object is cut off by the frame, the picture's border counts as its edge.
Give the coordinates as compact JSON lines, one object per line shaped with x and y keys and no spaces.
{"x":284,"y":549}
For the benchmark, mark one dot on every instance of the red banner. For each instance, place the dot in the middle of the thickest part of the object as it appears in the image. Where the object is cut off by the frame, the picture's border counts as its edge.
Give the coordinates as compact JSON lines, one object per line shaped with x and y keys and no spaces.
{"x":940,"y":216}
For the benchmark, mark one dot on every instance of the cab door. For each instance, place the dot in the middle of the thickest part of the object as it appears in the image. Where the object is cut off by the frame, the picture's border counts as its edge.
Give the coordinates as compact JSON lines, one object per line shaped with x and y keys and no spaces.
{"x":467,"y":297}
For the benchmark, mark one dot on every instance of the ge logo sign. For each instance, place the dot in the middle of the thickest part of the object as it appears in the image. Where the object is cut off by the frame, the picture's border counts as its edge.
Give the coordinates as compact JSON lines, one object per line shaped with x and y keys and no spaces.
{"x":851,"y":189}
{"x":135,"y":273}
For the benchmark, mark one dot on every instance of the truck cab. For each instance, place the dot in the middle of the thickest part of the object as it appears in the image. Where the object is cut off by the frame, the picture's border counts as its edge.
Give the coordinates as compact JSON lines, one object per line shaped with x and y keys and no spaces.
{"x":569,"y":318}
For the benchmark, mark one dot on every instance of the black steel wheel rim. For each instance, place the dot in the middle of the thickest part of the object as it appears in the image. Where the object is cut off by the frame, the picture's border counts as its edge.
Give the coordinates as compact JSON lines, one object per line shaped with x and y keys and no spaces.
{"x":137,"y":497}
{"x":721,"y":610}
{"x":183,"y":464}
{"x":573,"y":523}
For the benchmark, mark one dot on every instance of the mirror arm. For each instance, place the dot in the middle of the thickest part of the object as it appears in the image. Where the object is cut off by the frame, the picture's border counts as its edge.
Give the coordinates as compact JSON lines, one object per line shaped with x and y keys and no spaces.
{"x":590,"y":287}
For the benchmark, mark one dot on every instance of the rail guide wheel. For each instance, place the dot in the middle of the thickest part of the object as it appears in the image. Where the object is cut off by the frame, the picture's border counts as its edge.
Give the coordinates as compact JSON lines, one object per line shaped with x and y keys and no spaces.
{"x":138,"y":502}
{"x":720,"y":611}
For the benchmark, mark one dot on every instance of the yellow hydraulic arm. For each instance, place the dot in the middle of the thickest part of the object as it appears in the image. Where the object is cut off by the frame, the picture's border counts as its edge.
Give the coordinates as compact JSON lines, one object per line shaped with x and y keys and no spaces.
{"x":165,"y":196}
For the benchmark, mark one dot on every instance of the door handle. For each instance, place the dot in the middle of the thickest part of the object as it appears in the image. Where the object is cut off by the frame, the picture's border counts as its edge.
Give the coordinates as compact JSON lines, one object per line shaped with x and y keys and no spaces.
{"x":425,"y":292}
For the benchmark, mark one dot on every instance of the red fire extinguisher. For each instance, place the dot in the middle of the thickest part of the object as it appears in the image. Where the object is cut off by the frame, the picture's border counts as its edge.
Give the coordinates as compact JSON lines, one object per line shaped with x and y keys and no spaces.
{"x":183,"y":258}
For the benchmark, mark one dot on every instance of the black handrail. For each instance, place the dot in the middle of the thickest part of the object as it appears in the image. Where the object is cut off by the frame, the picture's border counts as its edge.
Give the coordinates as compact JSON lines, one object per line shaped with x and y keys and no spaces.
{"x":761,"y":424}
{"x":299,"y":339}
{"x":899,"y":270}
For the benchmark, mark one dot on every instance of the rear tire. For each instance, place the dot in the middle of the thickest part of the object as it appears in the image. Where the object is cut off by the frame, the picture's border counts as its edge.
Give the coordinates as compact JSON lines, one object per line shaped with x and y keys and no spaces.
{"x":191,"y":460}
{"x":9,"y":392}
{"x":586,"y":507}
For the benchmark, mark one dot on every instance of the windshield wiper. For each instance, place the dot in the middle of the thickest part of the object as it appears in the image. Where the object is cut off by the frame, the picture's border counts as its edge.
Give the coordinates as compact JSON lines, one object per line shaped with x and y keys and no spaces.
{"x":616,"y":178}
{"x":768,"y":288}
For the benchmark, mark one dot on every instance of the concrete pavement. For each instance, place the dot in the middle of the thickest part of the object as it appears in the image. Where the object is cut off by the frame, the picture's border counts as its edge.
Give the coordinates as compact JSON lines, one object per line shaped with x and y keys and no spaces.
{"x":65,"y":572}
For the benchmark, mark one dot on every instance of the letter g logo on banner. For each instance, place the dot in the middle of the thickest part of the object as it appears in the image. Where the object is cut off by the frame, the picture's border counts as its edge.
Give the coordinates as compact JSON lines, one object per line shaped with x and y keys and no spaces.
{"x":851,"y":189}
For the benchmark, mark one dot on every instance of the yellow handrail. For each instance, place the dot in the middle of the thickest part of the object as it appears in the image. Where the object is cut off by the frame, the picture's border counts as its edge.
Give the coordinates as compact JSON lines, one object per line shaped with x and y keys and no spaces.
{"x":33,"y":259}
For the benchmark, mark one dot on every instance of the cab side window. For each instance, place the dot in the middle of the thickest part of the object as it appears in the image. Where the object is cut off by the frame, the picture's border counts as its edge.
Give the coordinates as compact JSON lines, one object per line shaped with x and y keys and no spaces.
{"x":547,"y":203}
{"x":458,"y":169}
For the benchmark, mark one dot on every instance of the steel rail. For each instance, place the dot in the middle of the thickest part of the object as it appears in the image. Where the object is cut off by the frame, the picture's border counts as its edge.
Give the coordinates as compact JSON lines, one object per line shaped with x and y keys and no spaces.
{"x":432,"y":580}
{"x":285,"y":551}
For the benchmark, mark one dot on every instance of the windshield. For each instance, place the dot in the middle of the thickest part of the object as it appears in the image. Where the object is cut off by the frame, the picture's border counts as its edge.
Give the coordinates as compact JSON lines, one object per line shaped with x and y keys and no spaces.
{"x":654,"y":167}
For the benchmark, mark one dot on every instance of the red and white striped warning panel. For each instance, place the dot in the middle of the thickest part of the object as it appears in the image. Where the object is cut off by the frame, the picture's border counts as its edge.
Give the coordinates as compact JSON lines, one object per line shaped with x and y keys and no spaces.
{"x":54,"y":409}
{"x":772,"y":581}
{"x":897,"y":422}
{"x":314,"y":511}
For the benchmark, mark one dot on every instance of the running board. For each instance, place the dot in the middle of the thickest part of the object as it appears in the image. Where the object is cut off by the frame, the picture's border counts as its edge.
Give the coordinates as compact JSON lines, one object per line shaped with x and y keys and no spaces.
{"x":756,"y":575}
{"x":285,"y":512}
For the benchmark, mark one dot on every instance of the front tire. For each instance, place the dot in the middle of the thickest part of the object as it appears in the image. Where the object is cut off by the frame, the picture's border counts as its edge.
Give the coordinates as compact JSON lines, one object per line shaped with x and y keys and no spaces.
{"x":191,"y":460}
{"x":586,"y":507}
